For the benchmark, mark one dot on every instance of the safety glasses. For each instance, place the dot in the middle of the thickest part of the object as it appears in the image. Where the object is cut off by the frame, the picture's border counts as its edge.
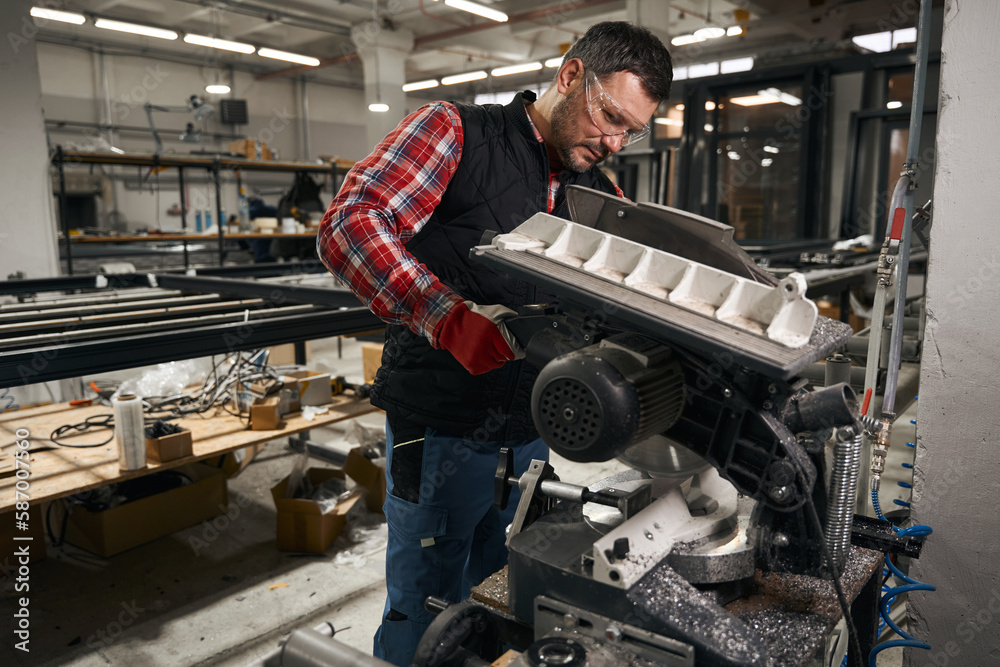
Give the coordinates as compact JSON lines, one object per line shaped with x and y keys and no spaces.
{"x":609,"y":116}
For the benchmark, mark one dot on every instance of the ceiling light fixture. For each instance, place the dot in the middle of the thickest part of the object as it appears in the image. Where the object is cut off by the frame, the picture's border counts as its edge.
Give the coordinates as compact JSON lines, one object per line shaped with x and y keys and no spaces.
{"x":766,"y":162}
{"x":135,"y":29}
{"x":56,"y":15}
{"x":554,"y":62}
{"x":420,"y":85}
{"x":894,"y":104}
{"x":668,"y":121}
{"x":770,"y":149}
{"x":378,"y":107}
{"x":477,"y":9}
{"x":223,"y":44}
{"x":290,"y":57}
{"x":463,"y":78}
{"x":683,"y":40}
{"x":754,"y":100}
{"x":734,"y":31}
{"x":710,"y":30}
{"x":217,"y":88}
{"x":781,"y":96}
{"x":516,"y":69}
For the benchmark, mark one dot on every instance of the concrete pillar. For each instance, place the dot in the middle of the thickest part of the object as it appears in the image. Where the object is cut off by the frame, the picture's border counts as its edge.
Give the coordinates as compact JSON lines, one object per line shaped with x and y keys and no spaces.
{"x":383,"y":54}
{"x":27,"y":223}
{"x":958,"y":426}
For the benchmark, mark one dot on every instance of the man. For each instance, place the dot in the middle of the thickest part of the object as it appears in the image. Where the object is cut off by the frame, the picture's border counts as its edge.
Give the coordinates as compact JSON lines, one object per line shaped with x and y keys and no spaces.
{"x":399,"y":234}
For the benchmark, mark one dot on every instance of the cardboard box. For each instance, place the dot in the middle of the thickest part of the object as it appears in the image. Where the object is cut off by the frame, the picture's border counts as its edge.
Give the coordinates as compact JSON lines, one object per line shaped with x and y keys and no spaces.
{"x":369,"y":475}
{"x":233,"y":463}
{"x":248,"y":148}
{"x":301,"y":525}
{"x":9,"y":562}
{"x":127,"y":526}
{"x":284,"y":355}
{"x":265,"y":414}
{"x":169,"y":447}
{"x":371,"y":360}
{"x":314,"y":388}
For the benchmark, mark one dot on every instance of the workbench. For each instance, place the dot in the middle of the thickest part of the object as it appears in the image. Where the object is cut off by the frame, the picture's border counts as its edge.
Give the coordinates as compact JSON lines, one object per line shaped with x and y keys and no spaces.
{"x":57,"y":472}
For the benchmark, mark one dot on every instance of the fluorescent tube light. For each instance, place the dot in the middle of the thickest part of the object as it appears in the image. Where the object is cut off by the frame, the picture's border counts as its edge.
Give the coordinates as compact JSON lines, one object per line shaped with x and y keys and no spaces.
{"x":517,"y":69}
{"x":682,"y":40}
{"x":668,"y":121}
{"x":477,"y":9}
{"x":879,"y":42}
{"x":766,"y":162}
{"x":894,"y":104}
{"x":135,"y":29}
{"x":56,"y":15}
{"x":420,"y":85}
{"x":462,"y":78}
{"x":771,"y":149}
{"x":223,"y":44}
{"x":378,"y":107}
{"x":710,"y":32}
{"x":754,"y":100}
{"x":290,"y":57}
{"x":736,"y":65}
{"x":217,"y":88}
{"x":554,"y":62}
{"x":734,"y":31}
{"x":706,"y":69}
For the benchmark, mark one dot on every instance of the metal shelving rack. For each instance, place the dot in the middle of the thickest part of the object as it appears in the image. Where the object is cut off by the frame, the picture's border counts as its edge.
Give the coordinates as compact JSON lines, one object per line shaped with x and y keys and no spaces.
{"x":214,"y":164}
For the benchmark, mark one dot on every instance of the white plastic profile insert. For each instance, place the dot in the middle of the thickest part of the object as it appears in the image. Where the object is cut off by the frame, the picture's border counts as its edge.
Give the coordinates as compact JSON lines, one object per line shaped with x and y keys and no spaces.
{"x":782,"y":313}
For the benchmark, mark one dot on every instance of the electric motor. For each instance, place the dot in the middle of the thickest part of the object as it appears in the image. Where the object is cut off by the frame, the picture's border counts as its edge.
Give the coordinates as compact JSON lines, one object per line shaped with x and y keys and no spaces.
{"x":590,"y":404}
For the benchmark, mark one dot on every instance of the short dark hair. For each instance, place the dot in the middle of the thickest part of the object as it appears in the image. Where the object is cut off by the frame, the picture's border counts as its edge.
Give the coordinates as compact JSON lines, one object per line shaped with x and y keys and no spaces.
{"x":619,"y":46}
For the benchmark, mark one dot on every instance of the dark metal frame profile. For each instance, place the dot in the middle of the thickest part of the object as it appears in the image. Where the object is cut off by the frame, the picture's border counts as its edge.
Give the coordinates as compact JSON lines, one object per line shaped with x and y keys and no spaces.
{"x":137,"y":336}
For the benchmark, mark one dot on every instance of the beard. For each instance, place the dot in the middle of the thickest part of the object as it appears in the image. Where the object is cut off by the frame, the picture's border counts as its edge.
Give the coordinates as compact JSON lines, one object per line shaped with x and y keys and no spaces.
{"x":563,"y":127}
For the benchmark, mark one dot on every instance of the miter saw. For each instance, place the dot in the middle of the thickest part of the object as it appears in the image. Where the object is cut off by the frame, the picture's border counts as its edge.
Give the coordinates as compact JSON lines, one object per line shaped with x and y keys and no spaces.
{"x":672,"y":351}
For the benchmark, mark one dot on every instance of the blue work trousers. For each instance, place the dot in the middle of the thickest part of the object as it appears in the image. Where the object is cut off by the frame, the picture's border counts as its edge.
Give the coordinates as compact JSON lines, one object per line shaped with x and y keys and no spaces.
{"x":450,"y":539}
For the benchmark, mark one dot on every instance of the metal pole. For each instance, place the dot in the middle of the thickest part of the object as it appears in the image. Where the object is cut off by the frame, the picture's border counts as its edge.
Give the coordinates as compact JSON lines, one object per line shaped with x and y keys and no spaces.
{"x":216,"y":174}
{"x":180,"y":181}
{"x":916,"y":119}
{"x":63,"y":216}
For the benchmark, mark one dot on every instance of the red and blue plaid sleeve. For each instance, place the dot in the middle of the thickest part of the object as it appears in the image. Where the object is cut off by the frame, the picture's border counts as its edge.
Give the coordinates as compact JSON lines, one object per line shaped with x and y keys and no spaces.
{"x":384,"y":201}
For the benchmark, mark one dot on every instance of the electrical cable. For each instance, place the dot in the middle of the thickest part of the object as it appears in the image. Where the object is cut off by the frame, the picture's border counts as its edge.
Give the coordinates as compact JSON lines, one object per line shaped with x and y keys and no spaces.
{"x":852,"y":631}
{"x":889,"y":592}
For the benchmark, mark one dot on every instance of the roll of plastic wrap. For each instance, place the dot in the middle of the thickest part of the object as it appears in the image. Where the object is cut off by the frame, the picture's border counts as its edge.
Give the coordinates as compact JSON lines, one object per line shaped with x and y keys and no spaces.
{"x":129,"y":434}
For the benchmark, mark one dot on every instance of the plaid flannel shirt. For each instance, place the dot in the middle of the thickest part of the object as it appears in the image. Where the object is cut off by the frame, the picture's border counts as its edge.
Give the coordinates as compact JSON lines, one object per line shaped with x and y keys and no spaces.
{"x":385,"y":200}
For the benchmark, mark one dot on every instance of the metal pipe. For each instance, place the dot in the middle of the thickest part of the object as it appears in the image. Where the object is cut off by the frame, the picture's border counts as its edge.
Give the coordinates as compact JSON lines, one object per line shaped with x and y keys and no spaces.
{"x":913,"y":147}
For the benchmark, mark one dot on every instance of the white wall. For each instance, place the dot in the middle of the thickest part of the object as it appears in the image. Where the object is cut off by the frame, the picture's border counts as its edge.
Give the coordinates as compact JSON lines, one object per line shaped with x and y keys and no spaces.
{"x":958,"y":430}
{"x":73,"y":90}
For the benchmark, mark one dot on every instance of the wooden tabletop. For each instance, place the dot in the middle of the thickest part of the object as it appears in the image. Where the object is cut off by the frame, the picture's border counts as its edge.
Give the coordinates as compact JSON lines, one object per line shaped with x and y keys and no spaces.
{"x":63,"y":471}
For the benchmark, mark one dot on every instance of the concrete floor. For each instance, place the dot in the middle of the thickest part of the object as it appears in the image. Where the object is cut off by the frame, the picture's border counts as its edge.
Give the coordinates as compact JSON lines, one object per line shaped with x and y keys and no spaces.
{"x":175,"y":601}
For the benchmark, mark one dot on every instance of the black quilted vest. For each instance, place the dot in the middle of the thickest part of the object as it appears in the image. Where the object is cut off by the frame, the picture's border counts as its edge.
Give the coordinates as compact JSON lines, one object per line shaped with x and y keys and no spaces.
{"x":501,"y":181}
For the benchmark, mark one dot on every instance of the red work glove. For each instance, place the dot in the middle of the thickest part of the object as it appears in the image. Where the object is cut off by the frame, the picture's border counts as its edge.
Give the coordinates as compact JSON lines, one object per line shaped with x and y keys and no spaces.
{"x":476,"y":336}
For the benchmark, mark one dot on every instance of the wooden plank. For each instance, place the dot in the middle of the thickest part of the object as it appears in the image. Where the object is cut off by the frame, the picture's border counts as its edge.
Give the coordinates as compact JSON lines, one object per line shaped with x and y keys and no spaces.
{"x":58,"y":471}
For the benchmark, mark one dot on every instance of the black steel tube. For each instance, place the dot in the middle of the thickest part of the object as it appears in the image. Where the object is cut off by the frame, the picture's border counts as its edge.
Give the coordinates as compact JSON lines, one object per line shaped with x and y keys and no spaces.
{"x":277,"y":292}
{"x":216,"y":177}
{"x":180,"y":184}
{"x":64,"y":360}
{"x":63,"y":215}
